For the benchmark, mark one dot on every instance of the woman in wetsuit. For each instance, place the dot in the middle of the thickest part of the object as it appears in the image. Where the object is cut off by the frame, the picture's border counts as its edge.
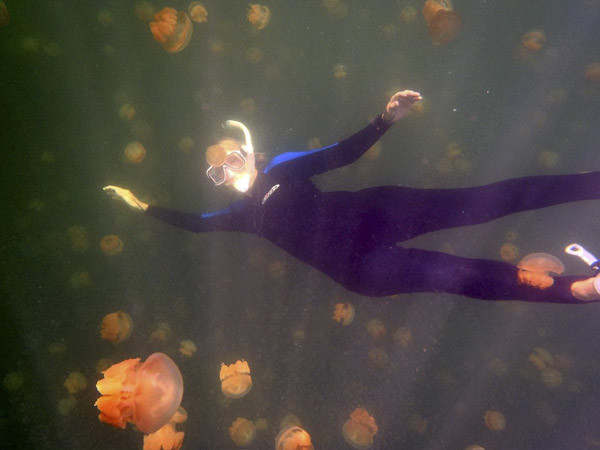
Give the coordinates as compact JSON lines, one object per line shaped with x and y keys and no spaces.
{"x":353,"y":236}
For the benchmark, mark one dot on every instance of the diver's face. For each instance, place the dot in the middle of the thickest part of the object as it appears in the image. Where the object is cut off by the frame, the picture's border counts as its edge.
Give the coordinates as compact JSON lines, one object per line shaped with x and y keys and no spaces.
{"x":232,"y":168}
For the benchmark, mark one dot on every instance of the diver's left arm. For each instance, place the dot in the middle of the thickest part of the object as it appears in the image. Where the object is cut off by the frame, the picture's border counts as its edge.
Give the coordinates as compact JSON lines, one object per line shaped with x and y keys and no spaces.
{"x":314,"y":162}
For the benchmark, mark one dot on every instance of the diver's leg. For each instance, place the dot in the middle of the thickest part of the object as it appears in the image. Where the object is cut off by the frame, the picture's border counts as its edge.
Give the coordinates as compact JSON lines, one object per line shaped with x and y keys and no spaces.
{"x":406,"y":212}
{"x":389,"y":270}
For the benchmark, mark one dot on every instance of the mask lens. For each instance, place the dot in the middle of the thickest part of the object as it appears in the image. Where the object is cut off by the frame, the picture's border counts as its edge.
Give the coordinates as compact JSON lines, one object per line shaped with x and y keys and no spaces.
{"x":235,"y":160}
{"x":216,"y":174}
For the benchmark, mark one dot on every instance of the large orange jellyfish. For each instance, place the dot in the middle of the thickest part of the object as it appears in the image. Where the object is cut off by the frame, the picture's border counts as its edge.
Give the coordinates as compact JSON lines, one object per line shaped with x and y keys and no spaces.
{"x":344,"y":313}
{"x":116,"y":327}
{"x":173,"y":29}
{"x":145,"y":394}
{"x":442,"y":22}
{"x":235,"y":379}
{"x":242,"y":432}
{"x":359,"y":429}
{"x":167,"y":437}
{"x":293,"y":438}
{"x":111,"y":245}
{"x":259,"y":16}
{"x":538,"y":270}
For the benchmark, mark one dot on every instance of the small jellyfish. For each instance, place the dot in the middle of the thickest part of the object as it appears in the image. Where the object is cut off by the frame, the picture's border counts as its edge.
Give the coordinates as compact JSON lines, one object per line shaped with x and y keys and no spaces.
{"x":403,"y":336}
{"x":259,"y":16}
{"x":146,"y":394}
{"x":442,"y":22}
{"x":340,"y":71}
{"x":314,"y":142}
{"x":236,"y":381}
{"x":4,"y":16}
{"x":187,"y":348}
{"x":376,"y":328}
{"x":135,"y":152}
{"x":127,"y":111}
{"x":538,"y":270}
{"x":111,"y":245}
{"x":551,"y":377}
{"x":533,"y":40}
{"x":254,"y":55}
{"x":161,"y":333}
{"x":540,"y":358}
{"x":79,"y":238}
{"x":242,"y":432}
{"x":172,"y":28}
{"x":548,"y":159}
{"x":474,"y":447}
{"x":13,"y":381}
{"x":66,"y":405}
{"x":359,"y":429}
{"x":344,"y":313}
{"x":592,"y":72}
{"x":198,"y":12}
{"x":75,"y":382}
{"x":509,"y":251}
{"x":167,"y":437}
{"x":293,"y":438}
{"x":116,"y":327}
{"x":494,"y":420}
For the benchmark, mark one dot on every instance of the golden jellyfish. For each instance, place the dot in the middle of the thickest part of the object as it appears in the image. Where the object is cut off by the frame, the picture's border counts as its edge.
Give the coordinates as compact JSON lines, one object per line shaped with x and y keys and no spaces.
{"x":167,"y":437}
{"x":314,"y":142}
{"x":135,"y":152}
{"x":344,"y":313}
{"x":548,"y":159}
{"x":442,"y":22}
{"x":293,"y":438}
{"x":79,"y":238}
{"x":509,"y":251}
{"x":533,"y":40}
{"x":340,"y":71}
{"x":540,"y":358}
{"x":494,"y":420}
{"x":538,"y":270}
{"x":146,"y":394}
{"x":4,"y":16}
{"x":116,"y":327}
{"x":359,"y":429}
{"x":403,"y":336}
{"x":236,"y":381}
{"x":111,"y":245}
{"x":551,"y":377}
{"x":75,"y":382}
{"x":376,"y":328}
{"x":161,"y":333}
{"x":127,"y":111}
{"x":172,"y":28}
{"x":254,"y":55}
{"x":592,"y":72}
{"x":187,"y":348}
{"x":242,"y":432}
{"x":198,"y":12}
{"x":259,"y":16}
{"x":66,"y":405}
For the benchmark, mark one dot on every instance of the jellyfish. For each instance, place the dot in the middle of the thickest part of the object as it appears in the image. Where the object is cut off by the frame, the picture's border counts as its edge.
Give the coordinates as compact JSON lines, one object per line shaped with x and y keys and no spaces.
{"x":538,"y":270}
{"x":533,"y":40}
{"x":79,"y":238}
{"x":167,"y":437}
{"x":494,"y":420}
{"x":242,"y":432}
{"x":80,"y":278}
{"x":592,"y":72}
{"x":173,"y":29}
{"x":540,"y":358}
{"x":442,"y":22}
{"x":259,"y":16}
{"x":359,"y":429}
{"x":474,"y":447}
{"x":13,"y":381}
{"x":254,"y":55}
{"x":376,"y":328}
{"x":236,"y":381}
{"x":127,"y":111}
{"x":160,"y":334}
{"x":4,"y":16}
{"x":111,"y":245}
{"x":75,"y":382}
{"x":403,"y":336}
{"x":551,"y":377}
{"x":548,"y":159}
{"x":116,"y":327}
{"x":135,"y":152}
{"x":146,"y":394}
{"x":293,"y":438}
{"x":340,"y":71}
{"x":187,"y":348}
{"x":509,"y":251}
{"x":198,"y":12}
{"x":408,"y":14}
{"x":344,"y":313}
{"x":66,"y":405}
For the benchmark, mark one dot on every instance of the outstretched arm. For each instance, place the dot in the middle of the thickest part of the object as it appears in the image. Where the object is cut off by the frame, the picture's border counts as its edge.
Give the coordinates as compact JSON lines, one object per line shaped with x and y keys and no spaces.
{"x":313,"y":162}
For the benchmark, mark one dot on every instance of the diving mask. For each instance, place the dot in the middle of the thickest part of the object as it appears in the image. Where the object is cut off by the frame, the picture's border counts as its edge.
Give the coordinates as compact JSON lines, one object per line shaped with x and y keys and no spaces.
{"x":237,"y":168}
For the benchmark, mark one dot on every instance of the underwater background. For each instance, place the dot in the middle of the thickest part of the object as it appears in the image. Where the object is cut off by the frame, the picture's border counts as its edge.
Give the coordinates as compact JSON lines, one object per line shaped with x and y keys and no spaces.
{"x":80,"y":80}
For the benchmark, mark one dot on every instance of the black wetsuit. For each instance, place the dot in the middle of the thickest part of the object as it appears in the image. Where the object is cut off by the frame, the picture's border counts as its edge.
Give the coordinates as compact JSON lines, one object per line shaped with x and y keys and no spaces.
{"x":353,"y":236}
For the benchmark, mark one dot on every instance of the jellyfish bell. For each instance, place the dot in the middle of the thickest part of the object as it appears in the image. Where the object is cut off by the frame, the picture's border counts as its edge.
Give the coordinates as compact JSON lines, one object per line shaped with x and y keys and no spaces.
{"x":236,"y":381}
{"x":187,"y":348}
{"x":258,"y":16}
{"x":538,"y":270}
{"x":172,"y":28}
{"x":167,"y":437}
{"x":533,"y":40}
{"x":242,"y":431}
{"x":116,"y":327}
{"x":75,"y":382}
{"x":146,"y":394}
{"x":197,"y":12}
{"x":293,"y":438}
{"x":135,"y":152}
{"x":444,"y":26}
{"x":359,"y":429}
{"x":494,"y":420}
{"x":111,"y":245}
{"x":344,"y":313}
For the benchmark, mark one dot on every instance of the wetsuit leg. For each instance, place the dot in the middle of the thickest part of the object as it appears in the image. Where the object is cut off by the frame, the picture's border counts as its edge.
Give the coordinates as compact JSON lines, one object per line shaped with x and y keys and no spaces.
{"x":388,"y":270}
{"x":402,"y":213}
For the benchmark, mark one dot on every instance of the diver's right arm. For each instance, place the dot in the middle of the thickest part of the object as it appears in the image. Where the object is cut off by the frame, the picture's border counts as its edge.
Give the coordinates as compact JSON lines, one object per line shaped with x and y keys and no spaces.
{"x":126,"y":196}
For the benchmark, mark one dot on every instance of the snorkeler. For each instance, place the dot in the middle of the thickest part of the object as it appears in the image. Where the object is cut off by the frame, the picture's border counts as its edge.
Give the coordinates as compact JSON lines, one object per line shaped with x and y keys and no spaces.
{"x":353,"y":236}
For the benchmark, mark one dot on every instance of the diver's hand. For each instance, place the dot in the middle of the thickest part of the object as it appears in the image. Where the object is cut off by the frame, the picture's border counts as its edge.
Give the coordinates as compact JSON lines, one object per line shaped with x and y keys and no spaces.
{"x":399,"y":105}
{"x":587,"y":289}
{"x":125,"y":195}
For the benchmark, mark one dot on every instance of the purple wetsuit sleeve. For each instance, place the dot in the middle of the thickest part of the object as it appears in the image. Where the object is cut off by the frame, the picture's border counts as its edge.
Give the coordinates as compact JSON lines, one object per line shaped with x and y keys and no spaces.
{"x":314,"y":162}
{"x":226,"y":220}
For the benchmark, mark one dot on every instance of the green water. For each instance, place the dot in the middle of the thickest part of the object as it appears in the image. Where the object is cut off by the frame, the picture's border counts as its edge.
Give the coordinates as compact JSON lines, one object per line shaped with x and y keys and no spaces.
{"x":63,"y":77}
